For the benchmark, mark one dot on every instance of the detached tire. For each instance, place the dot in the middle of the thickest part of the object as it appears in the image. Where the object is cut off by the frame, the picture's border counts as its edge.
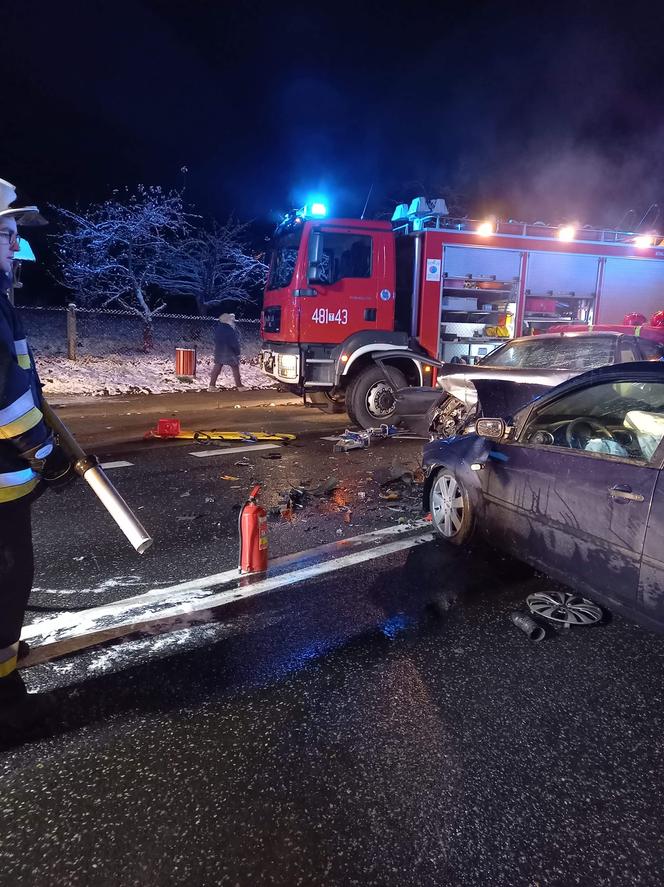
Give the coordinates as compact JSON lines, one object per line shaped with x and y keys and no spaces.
{"x":370,"y":396}
{"x":451,"y":512}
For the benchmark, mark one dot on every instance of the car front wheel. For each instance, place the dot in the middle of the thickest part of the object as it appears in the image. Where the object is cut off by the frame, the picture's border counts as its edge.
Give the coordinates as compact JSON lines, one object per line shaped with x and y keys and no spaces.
{"x":451,"y":511}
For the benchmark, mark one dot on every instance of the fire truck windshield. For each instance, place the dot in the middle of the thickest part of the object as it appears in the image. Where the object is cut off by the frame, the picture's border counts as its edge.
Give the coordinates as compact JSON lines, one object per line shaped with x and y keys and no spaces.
{"x":284,"y":257}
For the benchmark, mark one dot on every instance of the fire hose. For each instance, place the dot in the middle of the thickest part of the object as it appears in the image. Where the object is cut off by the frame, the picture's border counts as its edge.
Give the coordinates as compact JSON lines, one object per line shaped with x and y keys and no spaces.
{"x":93,"y":474}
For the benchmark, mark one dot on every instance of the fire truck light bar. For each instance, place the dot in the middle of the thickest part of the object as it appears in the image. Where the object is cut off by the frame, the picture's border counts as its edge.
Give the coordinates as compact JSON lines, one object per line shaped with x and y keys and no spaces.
{"x":316,"y":209}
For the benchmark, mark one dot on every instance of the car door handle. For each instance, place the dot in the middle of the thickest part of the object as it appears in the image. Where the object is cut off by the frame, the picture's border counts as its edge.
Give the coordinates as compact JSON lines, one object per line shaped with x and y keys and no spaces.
{"x":622,"y":491}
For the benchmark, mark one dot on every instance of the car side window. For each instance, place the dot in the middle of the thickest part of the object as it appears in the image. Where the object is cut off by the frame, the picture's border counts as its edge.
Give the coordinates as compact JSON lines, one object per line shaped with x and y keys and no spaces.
{"x":624,"y":419}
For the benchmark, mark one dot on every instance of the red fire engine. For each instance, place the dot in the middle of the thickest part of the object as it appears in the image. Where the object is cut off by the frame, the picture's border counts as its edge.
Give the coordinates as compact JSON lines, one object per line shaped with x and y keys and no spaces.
{"x":343,"y":292}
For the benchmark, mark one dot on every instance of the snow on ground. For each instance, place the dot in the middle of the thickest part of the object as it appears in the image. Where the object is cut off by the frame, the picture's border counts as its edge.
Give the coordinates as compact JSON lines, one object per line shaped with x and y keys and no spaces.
{"x":134,"y":374}
{"x":110,"y":359}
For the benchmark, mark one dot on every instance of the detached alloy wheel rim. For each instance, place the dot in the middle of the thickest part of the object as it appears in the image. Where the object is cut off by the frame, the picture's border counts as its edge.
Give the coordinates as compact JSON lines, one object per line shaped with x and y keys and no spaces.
{"x":564,"y":607}
{"x":380,"y":400}
{"x":447,"y":508}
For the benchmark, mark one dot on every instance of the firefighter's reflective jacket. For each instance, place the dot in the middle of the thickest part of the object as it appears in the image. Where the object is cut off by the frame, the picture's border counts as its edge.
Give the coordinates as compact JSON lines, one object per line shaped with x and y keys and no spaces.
{"x":23,"y":432}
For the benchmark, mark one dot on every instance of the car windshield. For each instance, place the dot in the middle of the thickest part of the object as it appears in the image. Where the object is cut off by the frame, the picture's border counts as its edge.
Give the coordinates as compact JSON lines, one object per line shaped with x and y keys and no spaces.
{"x":284,"y":257}
{"x":564,"y":353}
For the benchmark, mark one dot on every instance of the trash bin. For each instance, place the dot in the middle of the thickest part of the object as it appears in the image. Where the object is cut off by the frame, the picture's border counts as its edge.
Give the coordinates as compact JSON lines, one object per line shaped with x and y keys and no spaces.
{"x":185,"y":362}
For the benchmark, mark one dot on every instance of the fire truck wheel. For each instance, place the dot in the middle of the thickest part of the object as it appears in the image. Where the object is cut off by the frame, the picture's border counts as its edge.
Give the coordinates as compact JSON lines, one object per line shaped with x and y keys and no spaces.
{"x":326,"y":402}
{"x":370,"y":396}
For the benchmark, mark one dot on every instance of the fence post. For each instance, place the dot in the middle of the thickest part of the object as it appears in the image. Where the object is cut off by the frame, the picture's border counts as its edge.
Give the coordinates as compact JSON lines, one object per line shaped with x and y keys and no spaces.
{"x":71,"y":331}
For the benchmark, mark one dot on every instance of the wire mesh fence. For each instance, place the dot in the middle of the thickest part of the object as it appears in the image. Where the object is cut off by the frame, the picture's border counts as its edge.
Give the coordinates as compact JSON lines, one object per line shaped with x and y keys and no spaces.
{"x":99,"y":333}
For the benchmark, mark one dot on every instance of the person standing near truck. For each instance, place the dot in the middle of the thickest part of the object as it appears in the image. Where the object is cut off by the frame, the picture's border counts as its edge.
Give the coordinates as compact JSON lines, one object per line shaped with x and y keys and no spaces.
{"x":226,"y":351}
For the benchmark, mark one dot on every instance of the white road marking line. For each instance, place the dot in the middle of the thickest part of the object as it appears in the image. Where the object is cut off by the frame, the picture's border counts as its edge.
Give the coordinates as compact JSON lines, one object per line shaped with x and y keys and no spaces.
{"x":172,"y":593}
{"x":246,"y":448}
{"x":51,"y":631}
{"x":107,"y":465}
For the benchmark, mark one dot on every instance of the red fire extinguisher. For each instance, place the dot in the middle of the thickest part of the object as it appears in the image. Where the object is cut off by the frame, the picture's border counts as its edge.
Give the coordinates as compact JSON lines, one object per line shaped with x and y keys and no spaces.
{"x":253,"y":535}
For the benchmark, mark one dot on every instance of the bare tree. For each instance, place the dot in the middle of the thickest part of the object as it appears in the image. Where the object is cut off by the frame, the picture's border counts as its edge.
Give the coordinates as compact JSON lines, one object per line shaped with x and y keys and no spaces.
{"x":110,"y":253}
{"x":212,"y":266}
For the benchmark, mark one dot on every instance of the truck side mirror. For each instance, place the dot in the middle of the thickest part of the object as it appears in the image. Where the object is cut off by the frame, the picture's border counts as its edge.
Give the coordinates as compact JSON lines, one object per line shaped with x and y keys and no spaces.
{"x":315,"y":255}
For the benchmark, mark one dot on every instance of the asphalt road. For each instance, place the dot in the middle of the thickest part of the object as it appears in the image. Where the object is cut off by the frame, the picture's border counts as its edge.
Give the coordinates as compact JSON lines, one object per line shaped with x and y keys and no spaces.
{"x":337,"y":731}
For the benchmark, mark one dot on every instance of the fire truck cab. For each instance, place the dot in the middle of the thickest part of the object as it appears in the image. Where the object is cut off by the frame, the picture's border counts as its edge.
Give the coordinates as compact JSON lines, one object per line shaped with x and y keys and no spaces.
{"x":353,"y":308}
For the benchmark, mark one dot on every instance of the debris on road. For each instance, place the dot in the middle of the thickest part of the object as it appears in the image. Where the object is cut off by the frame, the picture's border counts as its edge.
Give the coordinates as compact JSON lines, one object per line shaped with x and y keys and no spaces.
{"x":360,"y":440}
{"x":228,"y":477}
{"x":328,"y":496}
{"x":271,"y":456}
{"x":528,"y":626}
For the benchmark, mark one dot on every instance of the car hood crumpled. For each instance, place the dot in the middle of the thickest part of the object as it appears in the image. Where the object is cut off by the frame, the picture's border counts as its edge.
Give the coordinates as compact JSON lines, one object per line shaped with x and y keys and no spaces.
{"x":502,"y":390}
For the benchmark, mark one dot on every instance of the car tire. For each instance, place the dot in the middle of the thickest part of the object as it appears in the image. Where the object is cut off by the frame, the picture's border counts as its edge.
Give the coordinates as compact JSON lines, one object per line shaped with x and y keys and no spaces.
{"x":370,"y":396}
{"x":451,"y":512}
{"x":325,"y":402}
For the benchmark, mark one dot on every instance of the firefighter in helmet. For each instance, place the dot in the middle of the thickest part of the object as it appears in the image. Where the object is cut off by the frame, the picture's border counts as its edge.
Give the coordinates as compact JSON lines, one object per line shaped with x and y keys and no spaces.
{"x":28,"y":457}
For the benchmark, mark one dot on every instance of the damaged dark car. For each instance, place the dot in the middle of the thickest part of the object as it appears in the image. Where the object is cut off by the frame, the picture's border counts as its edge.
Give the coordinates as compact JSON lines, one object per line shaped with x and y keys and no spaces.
{"x":572,"y":483}
{"x":525,"y":367}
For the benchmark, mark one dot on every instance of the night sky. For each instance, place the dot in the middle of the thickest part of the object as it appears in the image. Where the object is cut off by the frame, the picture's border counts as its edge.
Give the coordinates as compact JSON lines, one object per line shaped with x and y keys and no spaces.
{"x":535,"y":115}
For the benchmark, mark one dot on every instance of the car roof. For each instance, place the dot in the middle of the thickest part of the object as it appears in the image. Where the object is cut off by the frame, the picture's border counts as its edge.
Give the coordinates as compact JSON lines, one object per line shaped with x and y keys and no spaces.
{"x":596,"y":334}
{"x":636,"y":371}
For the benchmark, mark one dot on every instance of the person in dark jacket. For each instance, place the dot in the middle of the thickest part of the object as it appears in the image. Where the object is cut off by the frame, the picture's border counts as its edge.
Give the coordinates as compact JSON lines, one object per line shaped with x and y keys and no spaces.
{"x":27,"y":455}
{"x":226,"y":351}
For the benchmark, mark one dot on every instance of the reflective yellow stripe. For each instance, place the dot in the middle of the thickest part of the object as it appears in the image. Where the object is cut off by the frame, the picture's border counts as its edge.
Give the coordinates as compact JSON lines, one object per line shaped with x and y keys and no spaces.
{"x":6,"y":668}
{"x":8,"y":656}
{"x":20,"y":426}
{"x":22,"y":353}
{"x":9,"y":494}
{"x":17,"y":408}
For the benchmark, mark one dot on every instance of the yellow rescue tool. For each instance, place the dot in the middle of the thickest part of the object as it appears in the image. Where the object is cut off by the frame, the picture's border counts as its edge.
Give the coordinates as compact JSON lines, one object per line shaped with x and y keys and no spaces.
{"x":169,"y":429}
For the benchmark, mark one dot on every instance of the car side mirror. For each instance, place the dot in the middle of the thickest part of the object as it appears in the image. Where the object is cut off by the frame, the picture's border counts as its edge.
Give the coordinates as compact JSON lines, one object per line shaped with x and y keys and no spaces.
{"x":494,"y":429}
{"x":315,"y":255}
